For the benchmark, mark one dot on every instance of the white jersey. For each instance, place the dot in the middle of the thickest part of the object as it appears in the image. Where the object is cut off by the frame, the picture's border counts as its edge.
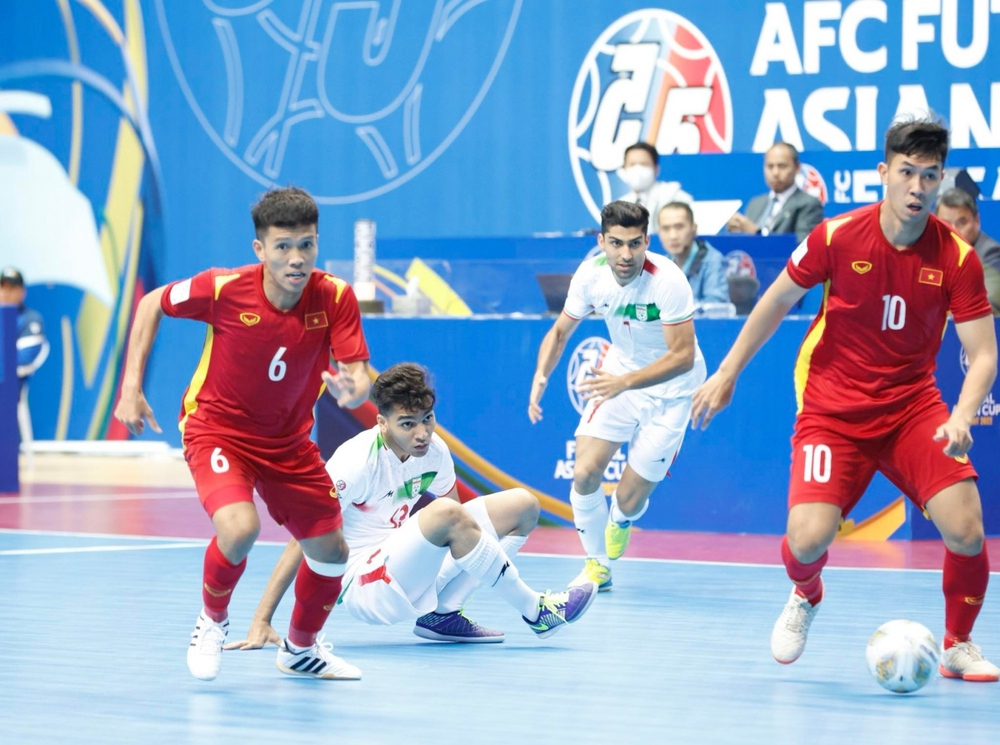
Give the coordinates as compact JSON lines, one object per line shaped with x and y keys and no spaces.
{"x":635,"y":314}
{"x":377,"y":490}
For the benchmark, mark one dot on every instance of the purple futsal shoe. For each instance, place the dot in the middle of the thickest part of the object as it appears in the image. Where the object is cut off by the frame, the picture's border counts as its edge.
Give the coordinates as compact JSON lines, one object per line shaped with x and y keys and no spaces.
{"x":556,"y":609}
{"x":455,"y":627}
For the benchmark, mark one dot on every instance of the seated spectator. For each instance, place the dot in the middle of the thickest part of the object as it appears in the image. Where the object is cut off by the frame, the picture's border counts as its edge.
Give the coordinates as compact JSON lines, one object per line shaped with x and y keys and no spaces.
{"x":703,"y":265}
{"x":32,"y":346}
{"x":785,"y":208}
{"x":642,"y":166}
{"x":959,"y":209}
{"x":741,"y":273}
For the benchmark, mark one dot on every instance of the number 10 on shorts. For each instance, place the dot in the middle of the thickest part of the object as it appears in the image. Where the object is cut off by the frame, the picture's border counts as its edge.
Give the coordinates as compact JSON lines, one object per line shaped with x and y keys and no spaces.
{"x":819,"y":459}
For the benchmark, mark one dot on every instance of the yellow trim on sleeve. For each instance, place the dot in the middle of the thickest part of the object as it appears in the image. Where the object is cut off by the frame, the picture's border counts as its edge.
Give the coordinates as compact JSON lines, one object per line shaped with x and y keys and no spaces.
{"x":223,"y":280}
{"x":806,"y":351}
{"x":963,"y":248}
{"x":832,"y":225}
{"x":340,"y":284}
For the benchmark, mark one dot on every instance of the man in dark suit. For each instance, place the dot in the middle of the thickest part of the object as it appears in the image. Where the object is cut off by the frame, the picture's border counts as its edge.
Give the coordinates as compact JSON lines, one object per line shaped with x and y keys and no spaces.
{"x":785,"y":208}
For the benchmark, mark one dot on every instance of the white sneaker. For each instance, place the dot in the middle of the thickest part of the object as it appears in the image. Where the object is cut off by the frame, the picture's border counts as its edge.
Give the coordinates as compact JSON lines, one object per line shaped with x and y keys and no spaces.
{"x":788,"y":637}
{"x":965,"y":660}
{"x":204,"y":655}
{"x":318,"y":661}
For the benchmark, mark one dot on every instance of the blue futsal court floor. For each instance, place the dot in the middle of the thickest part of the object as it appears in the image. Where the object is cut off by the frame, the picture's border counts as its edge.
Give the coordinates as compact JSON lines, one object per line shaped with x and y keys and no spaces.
{"x":97,"y":629}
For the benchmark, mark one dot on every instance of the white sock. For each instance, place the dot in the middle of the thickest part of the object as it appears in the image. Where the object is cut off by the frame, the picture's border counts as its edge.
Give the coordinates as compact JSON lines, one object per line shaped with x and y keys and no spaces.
{"x":458,"y":588}
{"x":620,"y":517}
{"x":590,"y":514}
{"x":489,"y":564}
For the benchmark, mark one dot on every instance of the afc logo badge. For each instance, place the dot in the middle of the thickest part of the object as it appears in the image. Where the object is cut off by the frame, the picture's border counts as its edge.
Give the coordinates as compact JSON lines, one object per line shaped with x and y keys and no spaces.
{"x":588,"y":355}
{"x":650,"y":76}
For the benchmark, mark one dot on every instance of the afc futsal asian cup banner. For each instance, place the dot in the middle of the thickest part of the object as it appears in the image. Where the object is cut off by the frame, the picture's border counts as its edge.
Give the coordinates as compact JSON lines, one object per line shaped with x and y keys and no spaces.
{"x":826,"y":76}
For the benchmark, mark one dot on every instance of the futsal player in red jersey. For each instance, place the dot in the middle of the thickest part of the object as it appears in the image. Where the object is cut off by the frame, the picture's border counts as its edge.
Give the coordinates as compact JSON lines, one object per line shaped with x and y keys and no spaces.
{"x":247,"y":416}
{"x":867,"y":400}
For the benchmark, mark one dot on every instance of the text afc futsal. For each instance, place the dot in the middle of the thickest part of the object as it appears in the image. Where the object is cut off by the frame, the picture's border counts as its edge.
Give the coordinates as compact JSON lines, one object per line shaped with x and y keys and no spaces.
{"x":653,"y":75}
{"x":986,"y":415}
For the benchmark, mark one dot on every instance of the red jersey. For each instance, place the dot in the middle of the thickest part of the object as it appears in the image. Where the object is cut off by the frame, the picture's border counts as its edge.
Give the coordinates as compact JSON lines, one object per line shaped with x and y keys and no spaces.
{"x":260,"y":369}
{"x":875,"y":340}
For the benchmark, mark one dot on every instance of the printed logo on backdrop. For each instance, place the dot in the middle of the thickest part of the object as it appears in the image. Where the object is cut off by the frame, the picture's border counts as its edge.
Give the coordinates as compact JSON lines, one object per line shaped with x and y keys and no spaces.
{"x":990,"y":409}
{"x":588,"y":355}
{"x":353,"y":98}
{"x":651,"y":76}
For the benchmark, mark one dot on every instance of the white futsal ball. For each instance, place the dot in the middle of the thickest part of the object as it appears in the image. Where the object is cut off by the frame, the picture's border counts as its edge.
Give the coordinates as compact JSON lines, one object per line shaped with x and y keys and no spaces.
{"x":902,"y":656}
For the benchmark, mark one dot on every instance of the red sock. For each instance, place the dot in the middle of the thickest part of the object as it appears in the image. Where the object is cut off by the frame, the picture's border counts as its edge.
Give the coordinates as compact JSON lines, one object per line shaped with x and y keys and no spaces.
{"x":964,"y":585}
{"x":315,"y":596}
{"x":219,"y":579}
{"x":806,"y":577}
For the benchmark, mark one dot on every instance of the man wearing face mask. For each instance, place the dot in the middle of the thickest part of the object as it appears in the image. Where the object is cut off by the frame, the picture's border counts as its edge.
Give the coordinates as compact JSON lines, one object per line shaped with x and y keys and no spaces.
{"x":641,"y":167}
{"x":785,"y":208}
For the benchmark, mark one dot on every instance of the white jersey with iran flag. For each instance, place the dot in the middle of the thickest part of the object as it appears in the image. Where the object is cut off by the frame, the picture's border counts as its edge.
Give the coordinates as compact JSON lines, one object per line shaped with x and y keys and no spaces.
{"x":378,"y":491}
{"x":635,"y":315}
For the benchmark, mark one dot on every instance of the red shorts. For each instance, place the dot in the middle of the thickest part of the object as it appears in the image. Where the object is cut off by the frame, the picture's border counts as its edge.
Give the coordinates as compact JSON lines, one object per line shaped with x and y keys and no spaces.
{"x":293,"y":482}
{"x":830,"y":464}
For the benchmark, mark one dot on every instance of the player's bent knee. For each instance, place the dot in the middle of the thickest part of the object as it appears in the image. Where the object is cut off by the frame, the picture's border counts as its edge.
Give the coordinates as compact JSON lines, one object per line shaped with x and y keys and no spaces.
{"x":968,"y":542}
{"x":528,"y":508}
{"x":807,"y":545}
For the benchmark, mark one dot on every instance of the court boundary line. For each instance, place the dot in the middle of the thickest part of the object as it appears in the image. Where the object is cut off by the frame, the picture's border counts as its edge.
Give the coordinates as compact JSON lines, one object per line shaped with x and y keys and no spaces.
{"x":196,"y":542}
{"x":93,"y":549}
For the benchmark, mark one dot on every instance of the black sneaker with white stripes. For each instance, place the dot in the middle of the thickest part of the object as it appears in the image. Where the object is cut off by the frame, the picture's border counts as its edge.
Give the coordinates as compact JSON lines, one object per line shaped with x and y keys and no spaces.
{"x":317,"y":661}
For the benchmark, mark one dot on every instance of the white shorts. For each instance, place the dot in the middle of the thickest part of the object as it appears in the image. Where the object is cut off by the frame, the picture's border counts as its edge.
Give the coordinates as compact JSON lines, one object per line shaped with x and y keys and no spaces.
{"x":653,"y":428}
{"x":397,"y":580}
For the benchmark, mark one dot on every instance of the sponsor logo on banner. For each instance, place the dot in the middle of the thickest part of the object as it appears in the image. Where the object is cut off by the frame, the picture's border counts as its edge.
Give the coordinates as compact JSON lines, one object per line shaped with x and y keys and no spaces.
{"x":811,"y":181}
{"x":989,"y":411}
{"x":612,"y":474}
{"x":650,"y":76}
{"x":587,"y":356}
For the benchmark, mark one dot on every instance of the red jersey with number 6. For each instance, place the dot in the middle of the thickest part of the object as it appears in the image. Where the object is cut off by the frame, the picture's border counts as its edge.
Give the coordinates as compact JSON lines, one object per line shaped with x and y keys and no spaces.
{"x":875,"y":340}
{"x":260,"y":371}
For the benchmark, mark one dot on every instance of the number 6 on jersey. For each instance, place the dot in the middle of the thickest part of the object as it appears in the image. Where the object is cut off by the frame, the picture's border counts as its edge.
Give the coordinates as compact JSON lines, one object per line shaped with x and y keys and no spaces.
{"x":277,"y":369}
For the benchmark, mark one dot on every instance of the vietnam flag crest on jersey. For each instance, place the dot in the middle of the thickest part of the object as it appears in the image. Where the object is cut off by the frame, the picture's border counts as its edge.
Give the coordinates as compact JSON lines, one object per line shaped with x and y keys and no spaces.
{"x":930,"y":276}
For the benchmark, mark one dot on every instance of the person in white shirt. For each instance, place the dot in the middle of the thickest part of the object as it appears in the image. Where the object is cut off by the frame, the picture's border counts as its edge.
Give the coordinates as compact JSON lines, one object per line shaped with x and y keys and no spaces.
{"x":640,"y":171}
{"x":641,"y":391}
{"x":785,"y":208}
{"x":423,"y":566}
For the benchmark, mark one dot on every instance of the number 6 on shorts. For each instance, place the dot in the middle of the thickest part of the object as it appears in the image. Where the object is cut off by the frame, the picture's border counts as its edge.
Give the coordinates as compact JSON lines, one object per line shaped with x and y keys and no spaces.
{"x":219,"y":462}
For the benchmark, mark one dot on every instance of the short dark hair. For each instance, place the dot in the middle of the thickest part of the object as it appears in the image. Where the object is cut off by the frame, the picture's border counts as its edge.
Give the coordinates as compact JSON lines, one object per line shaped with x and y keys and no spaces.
{"x":288,"y":207}
{"x":788,"y":146}
{"x":11,"y":276}
{"x":646,"y":147}
{"x":406,"y":385}
{"x":626,"y":214}
{"x":677,"y":206}
{"x":926,"y":137}
{"x":956,"y":198}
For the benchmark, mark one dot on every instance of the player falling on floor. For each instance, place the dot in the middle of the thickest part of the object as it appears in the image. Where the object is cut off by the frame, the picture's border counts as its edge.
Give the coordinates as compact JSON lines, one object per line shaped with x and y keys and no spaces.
{"x":864,"y":383}
{"x":640,"y":393}
{"x":422,"y":567}
{"x":247,"y":416}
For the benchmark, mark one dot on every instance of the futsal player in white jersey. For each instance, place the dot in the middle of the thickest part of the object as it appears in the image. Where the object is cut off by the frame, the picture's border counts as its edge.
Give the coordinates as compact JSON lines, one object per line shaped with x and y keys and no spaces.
{"x":422,"y":567}
{"x":641,"y":391}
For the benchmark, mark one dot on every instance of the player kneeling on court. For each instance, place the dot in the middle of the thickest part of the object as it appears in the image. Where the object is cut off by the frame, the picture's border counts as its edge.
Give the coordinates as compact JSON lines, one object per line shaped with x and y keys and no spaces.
{"x":423,"y":567}
{"x":247,"y":416}
{"x":640,"y":393}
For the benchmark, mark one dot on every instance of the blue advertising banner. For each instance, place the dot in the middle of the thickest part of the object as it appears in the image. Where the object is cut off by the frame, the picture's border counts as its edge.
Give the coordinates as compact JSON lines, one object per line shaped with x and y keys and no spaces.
{"x":135,"y":134}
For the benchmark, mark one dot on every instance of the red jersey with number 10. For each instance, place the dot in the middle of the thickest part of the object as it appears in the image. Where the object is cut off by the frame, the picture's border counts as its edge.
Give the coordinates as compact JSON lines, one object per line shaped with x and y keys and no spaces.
{"x":875,"y":340}
{"x":261,"y":368}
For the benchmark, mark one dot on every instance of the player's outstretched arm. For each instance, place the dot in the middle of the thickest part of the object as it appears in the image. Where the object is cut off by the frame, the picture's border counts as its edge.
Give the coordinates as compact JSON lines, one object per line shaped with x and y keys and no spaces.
{"x":979,"y":339}
{"x":133,"y":410}
{"x":715,"y":393}
{"x":351,"y":384}
{"x":261,"y":632}
{"x":678,"y":360}
{"x":549,"y":353}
